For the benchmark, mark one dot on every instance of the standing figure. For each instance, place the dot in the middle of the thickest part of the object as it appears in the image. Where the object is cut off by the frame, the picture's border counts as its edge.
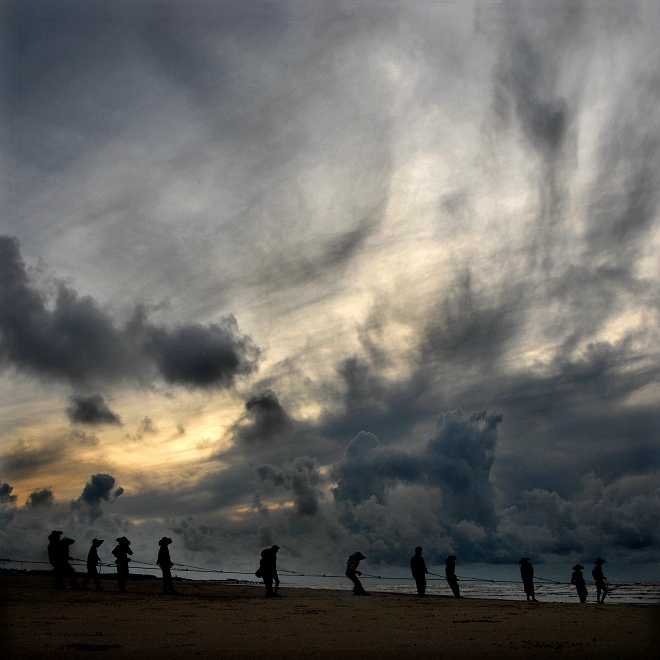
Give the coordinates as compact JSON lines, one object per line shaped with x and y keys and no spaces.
{"x":63,"y":549}
{"x":121,"y":552}
{"x":352,"y":573}
{"x":166,"y":564}
{"x":450,"y":575}
{"x":54,"y":558}
{"x":601,"y":580}
{"x":527,"y":575}
{"x":93,"y":561}
{"x":419,"y":571}
{"x":268,"y":566}
{"x":580,"y":585}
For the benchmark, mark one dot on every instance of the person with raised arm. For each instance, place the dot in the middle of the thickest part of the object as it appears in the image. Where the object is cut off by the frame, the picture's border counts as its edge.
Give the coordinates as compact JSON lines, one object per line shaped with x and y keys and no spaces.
{"x":352,"y":573}
{"x":93,"y":560}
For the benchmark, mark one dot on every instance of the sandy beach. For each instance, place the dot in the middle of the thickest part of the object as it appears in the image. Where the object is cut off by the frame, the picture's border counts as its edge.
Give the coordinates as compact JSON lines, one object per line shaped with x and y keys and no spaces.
{"x":235,"y":621}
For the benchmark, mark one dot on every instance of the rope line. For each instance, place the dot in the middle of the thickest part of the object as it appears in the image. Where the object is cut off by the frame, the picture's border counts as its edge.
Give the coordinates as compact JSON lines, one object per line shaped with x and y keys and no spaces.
{"x":200,"y":569}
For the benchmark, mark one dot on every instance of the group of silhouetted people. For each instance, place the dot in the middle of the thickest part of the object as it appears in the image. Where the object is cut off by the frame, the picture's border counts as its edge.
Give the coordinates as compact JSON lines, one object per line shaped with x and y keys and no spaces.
{"x":59,"y":557}
{"x":577,"y":579}
{"x":419,"y":572}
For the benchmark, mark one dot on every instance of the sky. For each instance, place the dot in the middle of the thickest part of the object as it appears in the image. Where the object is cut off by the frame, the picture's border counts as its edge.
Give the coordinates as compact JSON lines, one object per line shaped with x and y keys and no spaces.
{"x":333,"y":275}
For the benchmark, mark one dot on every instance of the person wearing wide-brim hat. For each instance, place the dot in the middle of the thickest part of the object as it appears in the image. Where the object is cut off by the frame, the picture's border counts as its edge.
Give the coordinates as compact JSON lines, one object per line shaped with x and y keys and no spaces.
{"x":64,"y":547}
{"x":54,"y":552}
{"x":527,"y":575}
{"x":121,"y":553}
{"x":93,"y":561}
{"x":600,"y":579}
{"x":166,"y":564}
{"x":352,"y":572}
{"x":580,"y":585}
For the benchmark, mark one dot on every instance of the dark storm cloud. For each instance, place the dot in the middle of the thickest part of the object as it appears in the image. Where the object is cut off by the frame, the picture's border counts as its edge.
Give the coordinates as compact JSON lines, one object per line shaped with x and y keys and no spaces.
{"x":5,"y":493}
{"x":264,"y":419}
{"x":77,"y":342}
{"x":98,"y":489}
{"x":202,"y":356}
{"x":91,"y":410}
{"x":40,"y":497}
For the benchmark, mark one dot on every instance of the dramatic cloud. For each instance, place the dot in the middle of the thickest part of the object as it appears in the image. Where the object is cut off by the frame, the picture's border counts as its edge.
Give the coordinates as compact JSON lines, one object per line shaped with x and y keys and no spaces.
{"x":91,"y":410}
{"x":78,"y":342}
{"x":5,"y":494}
{"x":99,"y":488}
{"x":40,"y":497}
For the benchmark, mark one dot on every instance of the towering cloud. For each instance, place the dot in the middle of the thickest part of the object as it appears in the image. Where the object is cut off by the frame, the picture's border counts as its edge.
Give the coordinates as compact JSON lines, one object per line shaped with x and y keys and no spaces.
{"x":99,"y":488}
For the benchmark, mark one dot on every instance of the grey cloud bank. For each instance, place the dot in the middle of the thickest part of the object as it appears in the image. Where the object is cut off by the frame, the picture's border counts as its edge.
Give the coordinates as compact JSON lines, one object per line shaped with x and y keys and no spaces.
{"x":352,"y":223}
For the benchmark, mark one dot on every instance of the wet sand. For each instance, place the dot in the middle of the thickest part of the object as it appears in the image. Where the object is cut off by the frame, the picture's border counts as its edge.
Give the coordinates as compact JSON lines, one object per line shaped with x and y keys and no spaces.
{"x":211,"y":620}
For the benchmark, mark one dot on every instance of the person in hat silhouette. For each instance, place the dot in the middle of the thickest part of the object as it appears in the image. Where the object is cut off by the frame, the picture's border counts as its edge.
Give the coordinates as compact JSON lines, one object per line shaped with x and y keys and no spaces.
{"x":419,"y":571}
{"x":54,"y":558}
{"x":93,"y":560}
{"x":121,"y":553}
{"x":580,"y":585}
{"x":600,"y":579}
{"x":527,"y":575}
{"x":63,"y":549}
{"x":450,"y":575}
{"x":352,"y":573}
{"x":268,"y":567}
{"x":166,"y":564}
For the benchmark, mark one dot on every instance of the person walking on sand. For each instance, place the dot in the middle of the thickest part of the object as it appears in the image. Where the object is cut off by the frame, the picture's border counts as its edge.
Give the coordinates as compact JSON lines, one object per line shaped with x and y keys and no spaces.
{"x":600,"y":579}
{"x":450,"y":575}
{"x":580,"y":585}
{"x":527,"y":575}
{"x":93,"y":560}
{"x":268,"y":567}
{"x":54,"y":558}
{"x":63,"y":549}
{"x":166,"y":564}
{"x":352,"y":573}
{"x":121,"y":553}
{"x":419,"y":571}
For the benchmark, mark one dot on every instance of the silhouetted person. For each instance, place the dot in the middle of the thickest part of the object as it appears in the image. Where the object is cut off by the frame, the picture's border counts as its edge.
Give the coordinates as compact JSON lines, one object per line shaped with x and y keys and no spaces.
{"x":580,"y":585}
{"x":93,"y":560}
{"x":527,"y":575}
{"x":121,"y":553}
{"x":419,"y":571}
{"x":268,"y":566}
{"x":352,"y":573}
{"x":450,"y":575}
{"x":601,"y":580}
{"x":63,"y":548}
{"x":54,"y":558}
{"x":166,"y":564}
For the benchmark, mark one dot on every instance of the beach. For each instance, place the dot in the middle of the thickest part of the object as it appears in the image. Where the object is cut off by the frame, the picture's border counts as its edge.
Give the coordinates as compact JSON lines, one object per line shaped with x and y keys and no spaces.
{"x":233,"y":620}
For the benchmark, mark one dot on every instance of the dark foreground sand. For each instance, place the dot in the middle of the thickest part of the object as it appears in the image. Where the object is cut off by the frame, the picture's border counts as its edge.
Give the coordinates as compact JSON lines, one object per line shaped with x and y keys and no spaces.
{"x":236,"y":621}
